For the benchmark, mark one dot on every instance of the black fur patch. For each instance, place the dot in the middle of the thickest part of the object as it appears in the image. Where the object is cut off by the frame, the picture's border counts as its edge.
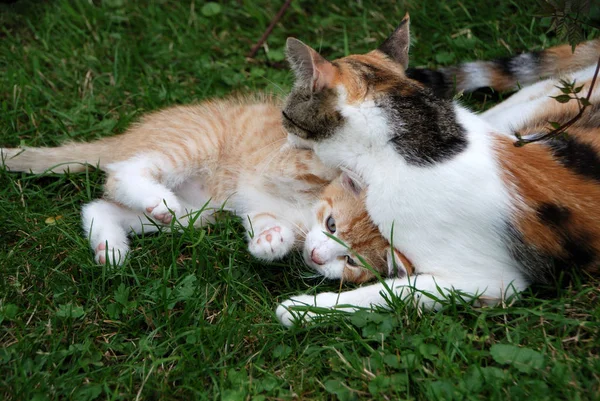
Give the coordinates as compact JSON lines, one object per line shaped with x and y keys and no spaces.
{"x":434,"y":80}
{"x":554,"y":215}
{"x":512,"y":66}
{"x":577,"y":156}
{"x":426,"y":130}
{"x":576,"y":252}
{"x":537,"y":267}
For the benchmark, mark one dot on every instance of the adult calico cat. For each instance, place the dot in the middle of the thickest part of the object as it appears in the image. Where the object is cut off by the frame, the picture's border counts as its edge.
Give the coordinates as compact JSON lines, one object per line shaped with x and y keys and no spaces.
{"x":470,"y":210}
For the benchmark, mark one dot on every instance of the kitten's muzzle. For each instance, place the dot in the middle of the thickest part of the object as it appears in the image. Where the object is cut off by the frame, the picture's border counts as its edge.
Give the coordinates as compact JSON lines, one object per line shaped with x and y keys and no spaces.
{"x":316,"y":259}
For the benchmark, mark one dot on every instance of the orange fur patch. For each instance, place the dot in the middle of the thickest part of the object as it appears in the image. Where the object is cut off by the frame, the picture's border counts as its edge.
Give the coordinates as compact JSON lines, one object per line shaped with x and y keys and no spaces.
{"x":540,"y":179}
{"x":353,"y":69}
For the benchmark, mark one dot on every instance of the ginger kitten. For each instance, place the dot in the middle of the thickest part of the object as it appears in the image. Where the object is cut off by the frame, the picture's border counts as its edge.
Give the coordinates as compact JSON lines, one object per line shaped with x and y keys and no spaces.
{"x":186,"y":160}
{"x":190,"y":160}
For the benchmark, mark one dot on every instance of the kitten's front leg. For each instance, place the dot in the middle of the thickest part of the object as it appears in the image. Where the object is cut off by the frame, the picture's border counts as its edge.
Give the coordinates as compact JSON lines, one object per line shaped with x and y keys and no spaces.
{"x":412,"y":289}
{"x":269,"y":238}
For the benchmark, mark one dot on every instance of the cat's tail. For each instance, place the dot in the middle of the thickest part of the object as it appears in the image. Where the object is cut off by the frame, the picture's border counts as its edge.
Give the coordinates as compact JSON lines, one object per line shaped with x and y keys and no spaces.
{"x":505,"y":74}
{"x":73,"y":157}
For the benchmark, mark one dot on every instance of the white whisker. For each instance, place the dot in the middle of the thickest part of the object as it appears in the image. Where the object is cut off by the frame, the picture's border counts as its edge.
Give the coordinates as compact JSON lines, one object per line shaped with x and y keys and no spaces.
{"x":298,"y":227}
{"x":271,"y":144}
{"x":270,"y":160}
{"x":279,"y":88}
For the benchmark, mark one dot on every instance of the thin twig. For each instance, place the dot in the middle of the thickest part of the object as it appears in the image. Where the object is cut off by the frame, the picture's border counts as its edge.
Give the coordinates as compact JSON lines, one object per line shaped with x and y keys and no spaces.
{"x":555,"y":132}
{"x":265,"y":35}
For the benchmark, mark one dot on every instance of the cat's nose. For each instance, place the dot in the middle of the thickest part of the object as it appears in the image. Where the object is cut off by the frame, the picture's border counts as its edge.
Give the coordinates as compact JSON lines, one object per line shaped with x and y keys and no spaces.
{"x":315,"y":258}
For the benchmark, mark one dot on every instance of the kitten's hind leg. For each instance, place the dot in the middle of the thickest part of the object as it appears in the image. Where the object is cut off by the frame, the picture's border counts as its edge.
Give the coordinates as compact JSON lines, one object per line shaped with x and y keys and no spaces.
{"x":134,"y":183}
{"x":269,"y":238}
{"x":107,"y":225}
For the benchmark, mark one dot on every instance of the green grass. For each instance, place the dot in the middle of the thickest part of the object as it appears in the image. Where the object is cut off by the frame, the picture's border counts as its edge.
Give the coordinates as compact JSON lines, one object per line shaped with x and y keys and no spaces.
{"x":191,"y":315}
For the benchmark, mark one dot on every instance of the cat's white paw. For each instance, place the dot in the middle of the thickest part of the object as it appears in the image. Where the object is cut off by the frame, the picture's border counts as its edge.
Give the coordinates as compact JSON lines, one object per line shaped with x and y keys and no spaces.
{"x":272,"y":243}
{"x":116,"y":252}
{"x":160,"y":208}
{"x":288,"y":316}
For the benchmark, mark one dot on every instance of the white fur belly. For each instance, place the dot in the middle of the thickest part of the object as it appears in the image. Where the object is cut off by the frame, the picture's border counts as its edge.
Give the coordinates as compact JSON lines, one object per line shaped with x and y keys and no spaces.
{"x":194,"y":192}
{"x":448,"y":218}
{"x":448,"y":242}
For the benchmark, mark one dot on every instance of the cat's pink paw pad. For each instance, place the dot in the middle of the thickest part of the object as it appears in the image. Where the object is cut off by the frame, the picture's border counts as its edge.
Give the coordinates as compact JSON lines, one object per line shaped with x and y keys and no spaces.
{"x":272,"y":243}
{"x":161,"y":212}
{"x":116,"y":254}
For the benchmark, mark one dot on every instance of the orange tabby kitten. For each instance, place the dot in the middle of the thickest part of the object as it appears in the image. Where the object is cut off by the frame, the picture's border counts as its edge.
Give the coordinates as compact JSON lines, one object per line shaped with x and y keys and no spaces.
{"x":186,"y":160}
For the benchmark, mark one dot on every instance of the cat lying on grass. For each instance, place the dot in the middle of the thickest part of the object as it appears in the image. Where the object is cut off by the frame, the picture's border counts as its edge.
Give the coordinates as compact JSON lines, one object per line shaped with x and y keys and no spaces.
{"x":187,"y":161}
{"x":447,"y":187}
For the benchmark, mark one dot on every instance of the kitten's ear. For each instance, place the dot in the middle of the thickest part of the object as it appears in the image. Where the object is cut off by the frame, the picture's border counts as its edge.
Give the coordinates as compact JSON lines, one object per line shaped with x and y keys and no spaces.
{"x":351,"y":185}
{"x":398,"y":264}
{"x":396,"y":46}
{"x":310,"y":67}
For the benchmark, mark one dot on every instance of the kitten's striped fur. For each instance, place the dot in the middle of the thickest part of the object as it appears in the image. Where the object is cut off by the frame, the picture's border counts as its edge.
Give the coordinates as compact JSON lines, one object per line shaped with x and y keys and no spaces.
{"x":232,"y":152}
{"x":228,"y":152}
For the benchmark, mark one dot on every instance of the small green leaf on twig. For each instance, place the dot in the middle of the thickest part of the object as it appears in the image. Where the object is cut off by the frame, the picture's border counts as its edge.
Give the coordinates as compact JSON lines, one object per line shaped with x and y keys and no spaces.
{"x":562,"y":98}
{"x":554,"y":124}
{"x":565,"y":90}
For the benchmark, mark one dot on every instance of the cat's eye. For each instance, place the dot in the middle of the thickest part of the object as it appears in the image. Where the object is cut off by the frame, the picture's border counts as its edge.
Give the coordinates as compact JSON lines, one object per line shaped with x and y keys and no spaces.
{"x":351,"y":261}
{"x":330,"y":223}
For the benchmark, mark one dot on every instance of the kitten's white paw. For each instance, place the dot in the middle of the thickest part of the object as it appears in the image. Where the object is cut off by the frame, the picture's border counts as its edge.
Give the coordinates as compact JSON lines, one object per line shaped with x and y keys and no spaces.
{"x":116,"y":252}
{"x":160,"y":208}
{"x":288,"y":316}
{"x":272,"y":243}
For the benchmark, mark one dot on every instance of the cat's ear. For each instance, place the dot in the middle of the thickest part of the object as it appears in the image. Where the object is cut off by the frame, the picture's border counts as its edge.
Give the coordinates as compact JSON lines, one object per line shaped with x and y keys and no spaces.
{"x":398,"y":265}
{"x":396,"y":46}
{"x":351,"y":184}
{"x":310,"y":67}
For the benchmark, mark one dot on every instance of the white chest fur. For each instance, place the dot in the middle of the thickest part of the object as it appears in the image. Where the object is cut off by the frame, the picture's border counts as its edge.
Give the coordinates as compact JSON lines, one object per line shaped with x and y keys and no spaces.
{"x":449,"y":217}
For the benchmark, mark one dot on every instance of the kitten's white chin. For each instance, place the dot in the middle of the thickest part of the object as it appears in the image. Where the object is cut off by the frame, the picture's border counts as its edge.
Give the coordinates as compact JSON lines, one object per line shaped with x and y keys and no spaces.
{"x":298,"y":143}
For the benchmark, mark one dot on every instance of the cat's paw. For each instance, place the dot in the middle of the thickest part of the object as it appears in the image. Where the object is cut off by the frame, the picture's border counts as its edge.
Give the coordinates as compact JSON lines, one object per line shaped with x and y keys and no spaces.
{"x":162,"y":209}
{"x":115,"y":254}
{"x":272,"y":243}
{"x":289,"y":314}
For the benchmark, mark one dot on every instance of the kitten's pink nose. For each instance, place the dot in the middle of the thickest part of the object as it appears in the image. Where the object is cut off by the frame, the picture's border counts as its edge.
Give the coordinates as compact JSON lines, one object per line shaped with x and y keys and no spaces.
{"x":315,"y":258}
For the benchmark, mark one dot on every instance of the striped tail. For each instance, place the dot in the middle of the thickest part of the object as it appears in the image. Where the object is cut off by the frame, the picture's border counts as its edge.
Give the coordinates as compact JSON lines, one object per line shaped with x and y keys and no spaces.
{"x":73,"y":157}
{"x":506,"y":74}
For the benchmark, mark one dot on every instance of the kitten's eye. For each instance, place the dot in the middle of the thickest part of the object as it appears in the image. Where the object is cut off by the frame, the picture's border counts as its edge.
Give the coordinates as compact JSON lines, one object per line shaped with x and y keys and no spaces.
{"x":351,"y":261}
{"x":330,"y":224}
